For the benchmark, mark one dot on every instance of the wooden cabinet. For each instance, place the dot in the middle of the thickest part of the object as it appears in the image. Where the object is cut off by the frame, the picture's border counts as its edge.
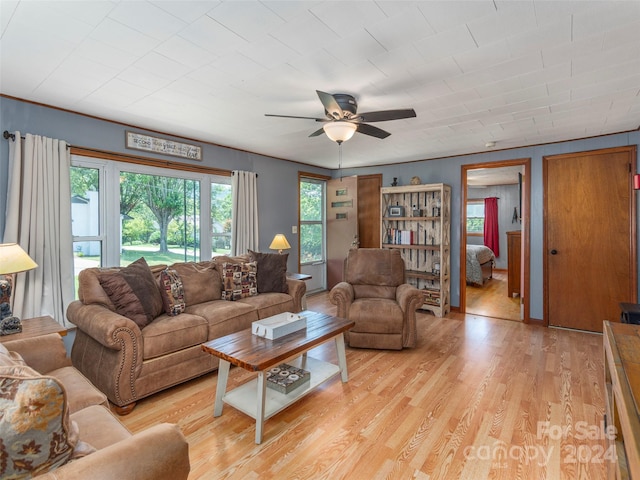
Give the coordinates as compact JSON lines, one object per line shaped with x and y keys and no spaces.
{"x":622,"y":394}
{"x":417,"y":220}
{"x":514,"y":242}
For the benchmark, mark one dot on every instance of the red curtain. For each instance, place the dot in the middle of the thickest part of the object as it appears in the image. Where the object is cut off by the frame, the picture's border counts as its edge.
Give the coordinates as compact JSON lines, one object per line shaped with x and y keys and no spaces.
{"x":491,"y":232}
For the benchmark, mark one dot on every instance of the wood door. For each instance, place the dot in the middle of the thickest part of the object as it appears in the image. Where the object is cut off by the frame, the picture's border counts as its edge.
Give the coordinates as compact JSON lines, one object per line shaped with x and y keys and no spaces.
{"x":369,"y":210}
{"x":342,"y":224}
{"x":590,"y":238}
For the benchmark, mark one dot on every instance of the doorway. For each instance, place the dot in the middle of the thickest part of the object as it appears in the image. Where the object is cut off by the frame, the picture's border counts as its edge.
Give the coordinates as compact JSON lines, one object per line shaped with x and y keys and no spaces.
{"x":499,"y":288}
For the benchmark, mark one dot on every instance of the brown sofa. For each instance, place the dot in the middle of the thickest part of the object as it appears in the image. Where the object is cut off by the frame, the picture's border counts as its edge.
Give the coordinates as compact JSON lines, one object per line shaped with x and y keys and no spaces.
{"x":48,"y":402}
{"x":129,"y":363}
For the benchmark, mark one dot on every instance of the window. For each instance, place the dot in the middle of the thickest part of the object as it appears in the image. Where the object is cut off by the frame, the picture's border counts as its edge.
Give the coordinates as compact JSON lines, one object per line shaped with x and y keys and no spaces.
{"x":87,"y":216}
{"x":312,"y":201}
{"x":121,"y":212}
{"x":475,"y":217}
{"x":221,"y":206}
{"x":159,"y":218}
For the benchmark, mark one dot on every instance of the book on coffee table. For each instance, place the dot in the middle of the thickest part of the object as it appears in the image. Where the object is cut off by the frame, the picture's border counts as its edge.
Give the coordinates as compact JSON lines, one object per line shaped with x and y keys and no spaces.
{"x":285,"y":378}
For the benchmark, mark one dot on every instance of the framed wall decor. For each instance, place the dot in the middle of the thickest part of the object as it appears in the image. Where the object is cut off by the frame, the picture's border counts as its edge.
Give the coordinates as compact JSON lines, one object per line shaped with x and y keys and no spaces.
{"x":140,"y":141}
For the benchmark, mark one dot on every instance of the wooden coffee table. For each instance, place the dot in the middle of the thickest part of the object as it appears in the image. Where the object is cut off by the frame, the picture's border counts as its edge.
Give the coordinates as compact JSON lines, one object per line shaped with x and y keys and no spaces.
{"x":258,"y":354}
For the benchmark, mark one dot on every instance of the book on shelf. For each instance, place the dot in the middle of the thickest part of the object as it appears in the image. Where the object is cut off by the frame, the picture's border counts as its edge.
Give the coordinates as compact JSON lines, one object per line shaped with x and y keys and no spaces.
{"x":395,"y":236}
{"x":285,"y":378}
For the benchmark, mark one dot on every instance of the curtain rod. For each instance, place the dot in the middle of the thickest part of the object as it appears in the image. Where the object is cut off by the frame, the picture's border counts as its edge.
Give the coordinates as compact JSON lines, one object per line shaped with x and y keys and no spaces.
{"x":6,"y":135}
{"x":232,"y":173}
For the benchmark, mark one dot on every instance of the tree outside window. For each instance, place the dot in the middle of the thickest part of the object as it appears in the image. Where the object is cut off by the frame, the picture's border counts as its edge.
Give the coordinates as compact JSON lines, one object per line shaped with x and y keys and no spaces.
{"x":475,"y":217}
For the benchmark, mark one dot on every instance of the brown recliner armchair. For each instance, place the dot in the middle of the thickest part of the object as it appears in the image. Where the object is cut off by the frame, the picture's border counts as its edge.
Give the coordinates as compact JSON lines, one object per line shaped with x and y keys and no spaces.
{"x":375,"y":296}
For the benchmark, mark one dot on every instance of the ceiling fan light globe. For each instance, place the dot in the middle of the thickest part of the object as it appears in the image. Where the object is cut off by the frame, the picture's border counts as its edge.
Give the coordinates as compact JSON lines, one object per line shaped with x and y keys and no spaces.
{"x":340,"y":131}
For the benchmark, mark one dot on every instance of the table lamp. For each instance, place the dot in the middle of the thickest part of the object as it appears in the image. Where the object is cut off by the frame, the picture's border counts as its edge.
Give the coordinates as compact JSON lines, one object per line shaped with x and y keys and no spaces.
{"x":279,"y":243}
{"x":13,"y":259}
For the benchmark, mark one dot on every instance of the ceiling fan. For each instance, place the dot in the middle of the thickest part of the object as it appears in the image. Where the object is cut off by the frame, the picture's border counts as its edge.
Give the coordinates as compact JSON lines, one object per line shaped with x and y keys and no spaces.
{"x":342,"y":119}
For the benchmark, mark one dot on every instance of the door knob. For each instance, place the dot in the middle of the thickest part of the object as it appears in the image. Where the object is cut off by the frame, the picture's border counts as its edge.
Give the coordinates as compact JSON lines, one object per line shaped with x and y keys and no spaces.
{"x":553,"y":252}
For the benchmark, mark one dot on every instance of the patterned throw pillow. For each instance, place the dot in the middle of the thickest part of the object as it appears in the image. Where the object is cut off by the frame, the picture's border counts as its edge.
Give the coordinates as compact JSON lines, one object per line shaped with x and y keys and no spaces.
{"x":172,"y":292}
{"x":35,"y":432}
{"x":239,"y":280}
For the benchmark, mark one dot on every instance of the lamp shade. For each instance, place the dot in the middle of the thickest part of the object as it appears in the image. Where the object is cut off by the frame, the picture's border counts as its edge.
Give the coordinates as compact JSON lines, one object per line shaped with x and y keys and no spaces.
{"x":13,"y":259}
{"x":279,"y":243}
{"x":340,"y":131}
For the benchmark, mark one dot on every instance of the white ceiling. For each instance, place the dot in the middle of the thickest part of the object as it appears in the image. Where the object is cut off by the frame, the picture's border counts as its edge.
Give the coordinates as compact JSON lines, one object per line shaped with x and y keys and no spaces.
{"x":485,"y":177}
{"x":511,"y":72}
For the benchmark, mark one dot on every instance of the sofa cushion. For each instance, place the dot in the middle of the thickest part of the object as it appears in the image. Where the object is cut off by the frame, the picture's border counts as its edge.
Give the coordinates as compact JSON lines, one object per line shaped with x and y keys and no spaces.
{"x":225,"y":317}
{"x":171,"y":291}
{"x":376,"y":315}
{"x":271,"y":271}
{"x":81,"y":393}
{"x":269,"y":304}
{"x":10,"y":359}
{"x":169,"y":334}
{"x":99,"y":427}
{"x":200,"y":280}
{"x":36,"y":434}
{"x":239,"y":280}
{"x":134,"y":292}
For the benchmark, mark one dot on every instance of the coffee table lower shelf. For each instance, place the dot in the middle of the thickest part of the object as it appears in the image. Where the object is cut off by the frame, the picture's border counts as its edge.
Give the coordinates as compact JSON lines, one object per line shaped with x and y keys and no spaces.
{"x":244,"y":397}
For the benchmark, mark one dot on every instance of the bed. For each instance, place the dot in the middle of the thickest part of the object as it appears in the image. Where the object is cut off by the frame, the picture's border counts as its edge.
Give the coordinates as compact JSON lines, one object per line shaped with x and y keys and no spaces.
{"x":480,"y":261}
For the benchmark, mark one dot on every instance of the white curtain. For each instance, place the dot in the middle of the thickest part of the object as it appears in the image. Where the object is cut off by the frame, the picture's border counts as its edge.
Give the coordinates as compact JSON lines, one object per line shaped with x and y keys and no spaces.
{"x":38,"y":218}
{"x":244,"y":234}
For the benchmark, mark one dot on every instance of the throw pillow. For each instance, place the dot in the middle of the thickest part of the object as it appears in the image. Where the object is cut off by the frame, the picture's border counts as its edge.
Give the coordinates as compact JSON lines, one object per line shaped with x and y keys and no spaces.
{"x":239,"y":280}
{"x":133,"y":292}
{"x":172,"y":292}
{"x":272,"y":271}
{"x":36,"y":434}
{"x":201,"y":281}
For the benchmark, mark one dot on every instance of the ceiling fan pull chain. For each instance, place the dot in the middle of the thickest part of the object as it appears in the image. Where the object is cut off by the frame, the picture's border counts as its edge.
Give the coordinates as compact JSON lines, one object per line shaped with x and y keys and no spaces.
{"x":340,"y":160}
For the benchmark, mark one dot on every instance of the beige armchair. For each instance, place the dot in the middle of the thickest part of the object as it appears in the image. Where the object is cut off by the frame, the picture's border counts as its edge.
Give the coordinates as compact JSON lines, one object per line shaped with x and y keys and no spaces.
{"x":64,"y":424}
{"x":375,"y":296}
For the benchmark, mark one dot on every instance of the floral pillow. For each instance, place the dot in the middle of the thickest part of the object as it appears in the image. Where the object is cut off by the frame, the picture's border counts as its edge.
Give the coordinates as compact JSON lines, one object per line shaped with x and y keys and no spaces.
{"x":239,"y":280}
{"x":36,"y":434}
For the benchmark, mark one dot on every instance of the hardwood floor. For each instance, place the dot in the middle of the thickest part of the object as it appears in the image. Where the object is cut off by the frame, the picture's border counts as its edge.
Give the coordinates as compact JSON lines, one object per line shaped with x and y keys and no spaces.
{"x":491,"y":300}
{"x":479,"y":398}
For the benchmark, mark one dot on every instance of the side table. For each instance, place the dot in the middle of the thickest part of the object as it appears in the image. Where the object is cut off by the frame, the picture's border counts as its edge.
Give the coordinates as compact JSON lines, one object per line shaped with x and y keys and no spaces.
{"x":630,"y":313}
{"x":35,"y":327}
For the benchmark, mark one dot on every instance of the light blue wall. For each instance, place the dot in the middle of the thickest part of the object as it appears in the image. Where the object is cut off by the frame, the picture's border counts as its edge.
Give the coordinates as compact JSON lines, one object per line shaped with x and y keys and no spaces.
{"x":278,"y":179}
{"x":449,"y":171}
{"x":508,"y":198}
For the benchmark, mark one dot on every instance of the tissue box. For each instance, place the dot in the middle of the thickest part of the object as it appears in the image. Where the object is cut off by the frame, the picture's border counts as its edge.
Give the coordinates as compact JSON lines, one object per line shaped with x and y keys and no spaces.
{"x":279,"y":325}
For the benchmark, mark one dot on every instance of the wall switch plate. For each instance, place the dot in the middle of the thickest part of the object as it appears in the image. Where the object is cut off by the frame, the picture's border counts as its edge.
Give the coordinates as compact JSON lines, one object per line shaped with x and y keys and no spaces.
{"x":294,"y":229}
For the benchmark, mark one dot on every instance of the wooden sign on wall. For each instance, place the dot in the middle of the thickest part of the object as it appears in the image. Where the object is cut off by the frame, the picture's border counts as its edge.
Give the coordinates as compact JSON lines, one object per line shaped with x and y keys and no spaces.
{"x":139,"y":141}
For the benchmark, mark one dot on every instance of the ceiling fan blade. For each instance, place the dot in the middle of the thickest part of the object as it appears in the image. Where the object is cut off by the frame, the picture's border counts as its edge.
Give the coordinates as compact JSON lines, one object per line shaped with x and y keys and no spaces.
{"x":372,"y":131}
{"x":294,"y":116}
{"x":317,"y":132}
{"x":384,"y":115}
{"x":330,"y":104}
